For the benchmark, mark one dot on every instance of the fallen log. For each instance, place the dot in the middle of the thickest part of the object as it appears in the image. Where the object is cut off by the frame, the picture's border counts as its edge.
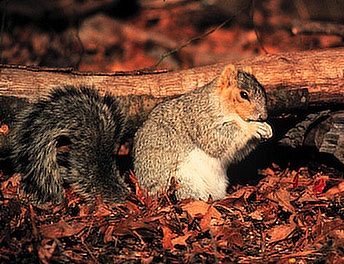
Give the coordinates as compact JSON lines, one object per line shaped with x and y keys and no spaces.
{"x":293,"y":81}
{"x":315,"y":76}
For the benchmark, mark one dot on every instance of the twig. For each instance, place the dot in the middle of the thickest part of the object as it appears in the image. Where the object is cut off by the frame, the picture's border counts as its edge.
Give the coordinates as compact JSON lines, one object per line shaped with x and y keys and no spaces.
{"x":315,"y":27}
{"x":33,"y":222}
{"x":166,"y":54}
{"x":89,"y":250}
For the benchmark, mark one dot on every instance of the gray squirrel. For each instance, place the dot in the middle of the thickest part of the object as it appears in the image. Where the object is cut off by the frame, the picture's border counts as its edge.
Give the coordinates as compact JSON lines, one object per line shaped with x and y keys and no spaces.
{"x":191,"y":138}
{"x":90,"y":126}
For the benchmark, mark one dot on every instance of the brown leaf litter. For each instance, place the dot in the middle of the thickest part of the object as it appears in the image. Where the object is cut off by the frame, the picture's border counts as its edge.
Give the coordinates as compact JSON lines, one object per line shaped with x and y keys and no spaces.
{"x":291,"y":216}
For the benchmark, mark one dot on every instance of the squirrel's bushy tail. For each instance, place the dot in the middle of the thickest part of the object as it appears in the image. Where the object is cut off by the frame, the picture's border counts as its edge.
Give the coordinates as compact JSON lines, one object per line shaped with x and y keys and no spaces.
{"x":70,"y":137}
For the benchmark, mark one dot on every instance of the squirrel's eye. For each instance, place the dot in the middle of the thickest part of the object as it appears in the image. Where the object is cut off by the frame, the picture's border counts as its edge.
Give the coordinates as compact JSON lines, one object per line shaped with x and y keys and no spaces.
{"x":244,"y":95}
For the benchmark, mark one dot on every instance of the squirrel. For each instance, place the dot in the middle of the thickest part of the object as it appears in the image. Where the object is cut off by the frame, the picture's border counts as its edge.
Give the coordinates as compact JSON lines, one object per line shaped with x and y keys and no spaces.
{"x":72,"y":137}
{"x":194,"y":137}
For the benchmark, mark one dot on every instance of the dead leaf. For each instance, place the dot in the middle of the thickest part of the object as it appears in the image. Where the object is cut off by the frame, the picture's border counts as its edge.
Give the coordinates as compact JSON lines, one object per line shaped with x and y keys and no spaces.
{"x":228,"y":236}
{"x":181,"y":240}
{"x":256,"y":215}
{"x":336,"y":189}
{"x":4,"y":129}
{"x":339,"y":234}
{"x":108,"y":234}
{"x":319,"y":185}
{"x":282,"y":197}
{"x":10,"y":187}
{"x":295,"y":179}
{"x":46,"y":250}
{"x":268,"y":182}
{"x":244,"y":192}
{"x":204,"y":210}
{"x":131,"y":224}
{"x":133,"y":208}
{"x":280,"y":232}
{"x":140,"y":194}
{"x":196,"y":208}
{"x":102,"y":209}
{"x":167,"y":239}
{"x":62,"y":229}
{"x":206,"y":219}
{"x":124,"y":149}
{"x":268,"y":172}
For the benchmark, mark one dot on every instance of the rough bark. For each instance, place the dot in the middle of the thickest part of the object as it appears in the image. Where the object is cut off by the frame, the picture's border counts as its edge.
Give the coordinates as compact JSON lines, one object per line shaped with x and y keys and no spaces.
{"x":292,"y":80}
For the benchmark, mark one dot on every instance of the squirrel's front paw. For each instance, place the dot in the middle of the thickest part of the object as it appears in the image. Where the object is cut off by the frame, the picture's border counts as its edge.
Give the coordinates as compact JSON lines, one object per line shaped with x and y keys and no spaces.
{"x":263,"y":130}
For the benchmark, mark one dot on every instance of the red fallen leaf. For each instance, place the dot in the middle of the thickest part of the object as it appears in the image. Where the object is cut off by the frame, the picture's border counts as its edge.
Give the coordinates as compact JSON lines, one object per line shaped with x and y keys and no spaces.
{"x":205,"y":221}
{"x":268,"y":172}
{"x":234,"y":237}
{"x":338,"y":234}
{"x":200,"y":208}
{"x":138,"y":190}
{"x":181,"y":240}
{"x":171,"y":239}
{"x":296,"y":180}
{"x":336,"y":189}
{"x":167,"y":239}
{"x":4,"y":129}
{"x":228,"y":236}
{"x":211,"y":215}
{"x":63,"y":149}
{"x":207,"y":212}
{"x":10,"y":187}
{"x":62,"y":229}
{"x":280,"y":232}
{"x":244,"y":192}
{"x":102,"y":208}
{"x":319,"y":185}
{"x":275,"y":166}
{"x":46,"y":250}
{"x":269,"y":182}
{"x":130,"y":224}
{"x":282,"y":197}
{"x":196,"y":208}
{"x":133,"y":208}
{"x":202,"y":249}
{"x":124,"y":149}
{"x":108,"y":234}
{"x":84,"y":211}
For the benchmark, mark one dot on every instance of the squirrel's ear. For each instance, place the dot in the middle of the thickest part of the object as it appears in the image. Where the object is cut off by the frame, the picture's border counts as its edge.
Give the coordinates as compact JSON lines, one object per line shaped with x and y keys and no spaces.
{"x":228,"y":77}
{"x":248,"y":69}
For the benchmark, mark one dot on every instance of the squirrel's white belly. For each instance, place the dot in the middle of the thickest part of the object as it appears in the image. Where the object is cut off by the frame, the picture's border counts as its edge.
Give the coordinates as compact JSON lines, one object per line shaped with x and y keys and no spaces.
{"x":203,"y":175}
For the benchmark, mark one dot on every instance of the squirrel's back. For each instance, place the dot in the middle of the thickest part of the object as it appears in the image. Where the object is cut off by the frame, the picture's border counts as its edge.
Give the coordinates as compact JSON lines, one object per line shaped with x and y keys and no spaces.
{"x":70,"y":137}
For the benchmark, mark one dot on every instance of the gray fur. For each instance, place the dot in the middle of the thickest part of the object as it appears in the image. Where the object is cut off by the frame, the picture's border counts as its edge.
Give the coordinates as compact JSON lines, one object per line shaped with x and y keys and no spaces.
{"x":92,"y":126}
{"x":197,"y":122}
